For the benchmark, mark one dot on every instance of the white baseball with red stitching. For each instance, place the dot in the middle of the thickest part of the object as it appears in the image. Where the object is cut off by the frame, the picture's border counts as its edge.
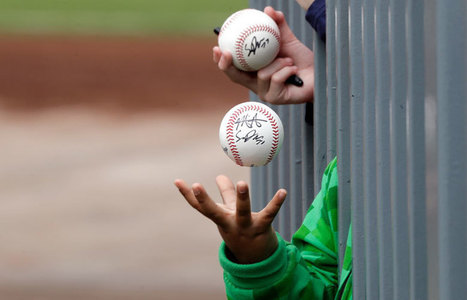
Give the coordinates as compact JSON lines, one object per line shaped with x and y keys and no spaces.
{"x":251,"y":134}
{"x":252,"y":37}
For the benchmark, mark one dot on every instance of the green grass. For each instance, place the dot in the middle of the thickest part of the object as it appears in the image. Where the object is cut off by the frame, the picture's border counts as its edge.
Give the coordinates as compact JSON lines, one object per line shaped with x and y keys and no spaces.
{"x":116,"y":17}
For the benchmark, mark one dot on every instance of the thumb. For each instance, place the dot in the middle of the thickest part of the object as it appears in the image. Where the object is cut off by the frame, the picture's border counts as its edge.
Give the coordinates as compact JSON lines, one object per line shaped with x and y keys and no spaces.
{"x":286,"y":33}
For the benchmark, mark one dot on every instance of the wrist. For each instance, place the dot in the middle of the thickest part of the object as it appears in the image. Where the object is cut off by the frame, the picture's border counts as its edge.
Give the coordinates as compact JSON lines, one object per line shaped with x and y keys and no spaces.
{"x":305,"y":4}
{"x":260,"y":274}
{"x":249,"y":258}
{"x":251,"y":252}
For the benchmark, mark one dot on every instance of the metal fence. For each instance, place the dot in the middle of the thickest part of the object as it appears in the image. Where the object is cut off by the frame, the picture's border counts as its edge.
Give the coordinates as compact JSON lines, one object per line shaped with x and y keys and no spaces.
{"x":391,"y":104}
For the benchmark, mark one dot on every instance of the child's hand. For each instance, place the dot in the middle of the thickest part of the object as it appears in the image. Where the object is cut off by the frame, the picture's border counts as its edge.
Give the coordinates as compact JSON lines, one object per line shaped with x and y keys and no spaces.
{"x":249,"y":236}
{"x":294,"y":58}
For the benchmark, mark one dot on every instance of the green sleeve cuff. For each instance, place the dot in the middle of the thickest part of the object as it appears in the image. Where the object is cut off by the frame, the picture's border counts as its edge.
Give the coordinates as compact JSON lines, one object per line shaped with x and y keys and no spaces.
{"x":260,"y":274}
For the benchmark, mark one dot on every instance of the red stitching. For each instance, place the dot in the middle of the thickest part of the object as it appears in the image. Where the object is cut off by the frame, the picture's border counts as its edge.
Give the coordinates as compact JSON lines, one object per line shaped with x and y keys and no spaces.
{"x":242,"y":38}
{"x":275,"y":136}
{"x":230,"y":21}
{"x":230,"y":136}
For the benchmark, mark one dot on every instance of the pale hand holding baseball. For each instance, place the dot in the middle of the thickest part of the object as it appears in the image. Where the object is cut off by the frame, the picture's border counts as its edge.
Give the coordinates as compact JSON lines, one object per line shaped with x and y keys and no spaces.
{"x":252,"y":37}
{"x":251,"y":134}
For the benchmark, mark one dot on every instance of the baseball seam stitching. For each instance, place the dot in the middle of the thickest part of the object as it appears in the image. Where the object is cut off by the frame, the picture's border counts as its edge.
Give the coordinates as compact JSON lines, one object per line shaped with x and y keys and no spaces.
{"x":229,"y":21}
{"x":239,"y":43}
{"x":231,"y":139}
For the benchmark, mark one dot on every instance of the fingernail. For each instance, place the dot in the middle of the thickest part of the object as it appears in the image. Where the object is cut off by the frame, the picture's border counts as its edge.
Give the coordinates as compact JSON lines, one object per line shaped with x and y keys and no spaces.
{"x":242,"y":189}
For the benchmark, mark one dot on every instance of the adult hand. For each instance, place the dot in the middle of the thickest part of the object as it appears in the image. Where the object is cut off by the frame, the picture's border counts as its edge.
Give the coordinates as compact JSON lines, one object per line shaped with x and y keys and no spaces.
{"x":249,"y":236}
{"x":269,"y":83}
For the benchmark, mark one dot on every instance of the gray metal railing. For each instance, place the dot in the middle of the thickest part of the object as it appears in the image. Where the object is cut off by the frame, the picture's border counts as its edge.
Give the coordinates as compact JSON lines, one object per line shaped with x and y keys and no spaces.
{"x":391,"y":104}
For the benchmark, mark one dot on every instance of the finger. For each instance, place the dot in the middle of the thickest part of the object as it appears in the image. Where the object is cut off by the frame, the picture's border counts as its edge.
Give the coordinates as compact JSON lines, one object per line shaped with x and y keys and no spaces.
{"x":265,"y":74}
{"x":227,"y":190}
{"x":268,"y":213}
{"x":216,"y":54}
{"x":225,"y":60}
{"x":243,"y":213}
{"x":207,"y":206}
{"x":187,"y":193}
{"x":277,"y":88}
{"x":270,"y":11}
{"x":279,"y":17}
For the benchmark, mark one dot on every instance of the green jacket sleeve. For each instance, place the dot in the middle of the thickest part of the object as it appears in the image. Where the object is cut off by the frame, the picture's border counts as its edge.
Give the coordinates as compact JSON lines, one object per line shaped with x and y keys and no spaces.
{"x":305,"y":268}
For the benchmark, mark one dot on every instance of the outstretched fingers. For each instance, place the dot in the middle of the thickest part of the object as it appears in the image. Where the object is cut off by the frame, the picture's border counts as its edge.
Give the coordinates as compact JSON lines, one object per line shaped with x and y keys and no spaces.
{"x":268,"y":213}
{"x":243,"y":213}
{"x":227,"y":191}
{"x":187,"y":193}
{"x":207,"y":206}
{"x":198,"y":198}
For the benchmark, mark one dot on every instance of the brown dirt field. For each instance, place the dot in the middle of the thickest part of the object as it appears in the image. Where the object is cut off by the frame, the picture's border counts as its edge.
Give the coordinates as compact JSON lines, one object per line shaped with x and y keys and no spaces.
{"x":120,"y":73}
{"x":94,"y":132}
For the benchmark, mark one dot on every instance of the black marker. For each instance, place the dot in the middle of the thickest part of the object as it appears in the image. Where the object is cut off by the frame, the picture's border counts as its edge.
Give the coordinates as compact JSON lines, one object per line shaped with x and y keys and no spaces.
{"x":294,"y":79}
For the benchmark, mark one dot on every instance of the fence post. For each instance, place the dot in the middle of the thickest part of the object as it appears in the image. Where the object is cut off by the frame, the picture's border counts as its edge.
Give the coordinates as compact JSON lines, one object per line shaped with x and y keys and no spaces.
{"x":452,"y":148}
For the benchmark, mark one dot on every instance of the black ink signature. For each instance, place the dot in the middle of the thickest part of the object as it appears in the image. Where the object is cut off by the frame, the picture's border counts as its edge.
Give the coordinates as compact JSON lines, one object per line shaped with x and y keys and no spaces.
{"x":251,"y":135}
{"x":249,"y":123}
{"x":255,"y":44}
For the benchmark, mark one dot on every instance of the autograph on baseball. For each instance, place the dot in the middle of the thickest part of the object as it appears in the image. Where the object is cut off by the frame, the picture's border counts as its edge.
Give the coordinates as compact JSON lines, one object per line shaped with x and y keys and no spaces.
{"x":255,"y":44}
{"x":252,"y":37}
{"x":249,"y":123}
{"x":251,"y":134}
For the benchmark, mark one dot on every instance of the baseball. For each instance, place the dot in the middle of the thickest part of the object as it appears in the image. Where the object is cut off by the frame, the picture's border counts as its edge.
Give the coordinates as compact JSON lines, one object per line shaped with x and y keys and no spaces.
{"x":251,"y":134}
{"x":252,"y":37}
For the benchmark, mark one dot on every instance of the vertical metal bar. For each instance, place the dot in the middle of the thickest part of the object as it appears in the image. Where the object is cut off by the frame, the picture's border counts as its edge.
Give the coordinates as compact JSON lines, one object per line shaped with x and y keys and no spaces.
{"x":398,"y":148}
{"x":369,"y":150}
{"x":430,"y":103}
{"x":331,"y":121}
{"x":255,"y":180}
{"x":297,"y":118}
{"x":283,"y":174}
{"x":284,"y":167}
{"x":452,"y":147}
{"x":319,"y":112}
{"x":270,"y":183}
{"x":343,"y":122}
{"x":260,"y":4}
{"x":308,"y":167}
{"x":308,"y":129}
{"x":416,"y":171}
{"x":331,"y":109}
{"x":296,"y":168}
{"x":356,"y":150}
{"x":382,"y":151}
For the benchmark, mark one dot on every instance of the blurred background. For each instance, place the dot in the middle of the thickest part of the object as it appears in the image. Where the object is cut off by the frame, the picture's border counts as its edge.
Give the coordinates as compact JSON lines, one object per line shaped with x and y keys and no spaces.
{"x":102,"y":105}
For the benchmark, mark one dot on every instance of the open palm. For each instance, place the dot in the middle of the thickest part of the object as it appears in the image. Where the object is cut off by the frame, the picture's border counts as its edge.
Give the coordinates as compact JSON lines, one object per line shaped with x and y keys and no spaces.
{"x":248,"y":236}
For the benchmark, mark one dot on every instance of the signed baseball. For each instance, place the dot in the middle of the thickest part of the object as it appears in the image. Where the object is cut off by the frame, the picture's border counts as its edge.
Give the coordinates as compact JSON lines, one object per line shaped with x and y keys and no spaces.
{"x":251,"y":134}
{"x":252,"y":37}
